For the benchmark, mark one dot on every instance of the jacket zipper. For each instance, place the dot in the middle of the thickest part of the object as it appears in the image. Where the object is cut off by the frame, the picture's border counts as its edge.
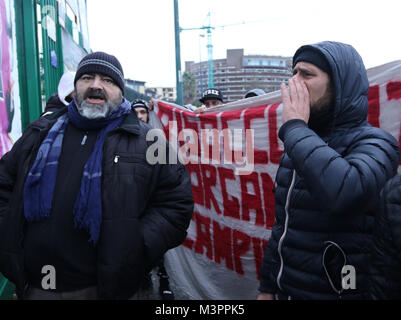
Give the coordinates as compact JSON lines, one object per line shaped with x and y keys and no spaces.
{"x":280,"y":244}
{"x":117,"y":158}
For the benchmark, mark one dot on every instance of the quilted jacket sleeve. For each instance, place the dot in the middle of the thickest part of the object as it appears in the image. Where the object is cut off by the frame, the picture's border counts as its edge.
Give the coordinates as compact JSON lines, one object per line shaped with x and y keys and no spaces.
{"x":268,"y":282}
{"x":386,"y":253}
{"x":341,"y":183}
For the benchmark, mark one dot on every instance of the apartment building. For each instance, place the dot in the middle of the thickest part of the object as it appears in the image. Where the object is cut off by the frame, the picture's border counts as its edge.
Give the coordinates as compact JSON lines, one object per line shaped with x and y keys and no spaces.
{"x":239,"y":73}
{"x":168,"y":94}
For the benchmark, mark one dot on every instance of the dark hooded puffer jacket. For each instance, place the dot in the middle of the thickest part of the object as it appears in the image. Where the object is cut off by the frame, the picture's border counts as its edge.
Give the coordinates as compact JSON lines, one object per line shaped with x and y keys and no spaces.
{"x":147,"y":208}
{"x":386,"y":254}
{"x":326,"y":193}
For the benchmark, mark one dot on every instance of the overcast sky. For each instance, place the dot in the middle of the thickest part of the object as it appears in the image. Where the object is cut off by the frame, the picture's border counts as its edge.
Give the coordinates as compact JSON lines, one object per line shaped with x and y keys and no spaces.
{"x":141,"y":32}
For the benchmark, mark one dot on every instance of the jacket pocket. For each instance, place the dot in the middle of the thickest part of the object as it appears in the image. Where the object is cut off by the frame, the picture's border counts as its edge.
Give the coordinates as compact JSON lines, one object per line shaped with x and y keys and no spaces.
{"x":142,"y":168}
{"x":126,"y":182}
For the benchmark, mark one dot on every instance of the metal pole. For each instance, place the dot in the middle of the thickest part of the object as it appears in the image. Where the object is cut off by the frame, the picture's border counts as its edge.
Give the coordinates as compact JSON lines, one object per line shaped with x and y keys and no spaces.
{"x":210,"y":76}
{"x":178,"y":73}
{"x":200,"y":65}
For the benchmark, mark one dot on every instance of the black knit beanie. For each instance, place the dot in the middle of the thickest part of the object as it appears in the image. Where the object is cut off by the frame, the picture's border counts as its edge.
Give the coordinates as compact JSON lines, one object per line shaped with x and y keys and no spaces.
{"x":313,"y":56}
{"x":103,"y":63}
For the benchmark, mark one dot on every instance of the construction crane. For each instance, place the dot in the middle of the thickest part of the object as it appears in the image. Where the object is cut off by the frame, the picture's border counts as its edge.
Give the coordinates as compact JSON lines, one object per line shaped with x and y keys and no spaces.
{"x":208,"y":27}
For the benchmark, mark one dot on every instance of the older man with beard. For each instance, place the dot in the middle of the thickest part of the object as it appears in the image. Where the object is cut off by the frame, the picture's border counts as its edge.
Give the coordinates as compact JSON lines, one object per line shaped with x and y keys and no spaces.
{"x":83,"y":215}
{"x":328,"y":182}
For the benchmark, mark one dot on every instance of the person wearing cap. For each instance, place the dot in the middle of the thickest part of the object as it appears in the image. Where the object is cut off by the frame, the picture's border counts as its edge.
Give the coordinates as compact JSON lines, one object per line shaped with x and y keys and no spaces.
{"x":327,"y":185}
{"x":211,"y":97}
{"x":64,"y":95}
{"x":83,"y":214}
{"x":254,"y":93}
{"x":142,"y":110}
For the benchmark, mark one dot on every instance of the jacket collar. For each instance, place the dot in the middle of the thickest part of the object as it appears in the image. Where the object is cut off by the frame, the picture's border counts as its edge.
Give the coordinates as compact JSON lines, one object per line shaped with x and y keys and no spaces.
{"x":47,"y":119}
{"x":131,"y":124}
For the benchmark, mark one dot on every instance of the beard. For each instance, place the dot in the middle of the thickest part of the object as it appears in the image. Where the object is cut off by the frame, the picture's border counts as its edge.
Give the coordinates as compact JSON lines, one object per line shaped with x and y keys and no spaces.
{"x":324,"y":101}
{"x":322,"y":111}
{"x":96,"y":111}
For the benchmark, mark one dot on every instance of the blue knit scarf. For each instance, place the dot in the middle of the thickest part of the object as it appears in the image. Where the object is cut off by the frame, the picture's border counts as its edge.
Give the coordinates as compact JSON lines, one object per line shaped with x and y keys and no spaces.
{"x":41,"y":180}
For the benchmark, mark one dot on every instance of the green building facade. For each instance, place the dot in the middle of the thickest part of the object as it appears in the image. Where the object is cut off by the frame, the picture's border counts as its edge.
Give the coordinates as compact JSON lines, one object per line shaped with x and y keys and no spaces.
{"x":40,"y":40}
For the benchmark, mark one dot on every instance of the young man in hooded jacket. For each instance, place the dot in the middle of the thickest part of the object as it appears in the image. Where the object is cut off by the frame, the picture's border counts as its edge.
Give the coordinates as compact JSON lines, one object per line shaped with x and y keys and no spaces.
{"x":328,"y":182}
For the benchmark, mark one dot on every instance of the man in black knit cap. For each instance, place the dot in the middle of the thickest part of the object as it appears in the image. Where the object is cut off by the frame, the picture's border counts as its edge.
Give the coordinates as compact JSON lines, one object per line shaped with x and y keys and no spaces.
{"x":328,"y":182}
{"x":83,"y":215}
{"x":142,"y":110}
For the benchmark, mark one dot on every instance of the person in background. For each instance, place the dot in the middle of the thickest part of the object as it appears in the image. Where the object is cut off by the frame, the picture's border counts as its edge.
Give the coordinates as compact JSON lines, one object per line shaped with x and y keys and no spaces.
{"x":329,"y":179}
{"x":211,"y":97}
{"x":64,"y":95}
{"x":142,"y":110}
{"x":254,"y":93}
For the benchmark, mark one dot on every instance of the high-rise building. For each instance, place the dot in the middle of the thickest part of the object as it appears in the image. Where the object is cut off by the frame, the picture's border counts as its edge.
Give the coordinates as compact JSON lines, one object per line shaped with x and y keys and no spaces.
{"x":239,"y":73}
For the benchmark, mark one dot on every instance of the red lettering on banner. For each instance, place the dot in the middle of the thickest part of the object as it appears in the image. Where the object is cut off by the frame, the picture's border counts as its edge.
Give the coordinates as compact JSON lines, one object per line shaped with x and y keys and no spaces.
{"x":229,"y":153}
{"x":179,"y":127}
{"x":222,"y":245}
{"x":203,"y":237}
{"x":229,"y":116}
{"x":197,"y":189}
{"x":251,"y":200}
{"x":275,"y":151}
{"x":259,"y":248}
{"x":209,"y":121}
{"x":269,"y":199}
{"x":209,"y":181}
{"x":374,"y":106}
{"x":241,"y":243}
{"x":393,"y":90}
{"x":211,"y":151}
{"x":260,"y":156}
{"x":219,"y":243}
{"x":165,"y":110}
{"x":193,"y":125}
{"x":230,"y":206}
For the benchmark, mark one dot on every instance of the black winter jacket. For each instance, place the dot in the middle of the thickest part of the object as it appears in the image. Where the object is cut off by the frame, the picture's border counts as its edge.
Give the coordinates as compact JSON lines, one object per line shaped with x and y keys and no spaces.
{"x":326,"y":192}
{"x":386,"y":254}
{"x":54,"y":104}
{"x":146,"y":208}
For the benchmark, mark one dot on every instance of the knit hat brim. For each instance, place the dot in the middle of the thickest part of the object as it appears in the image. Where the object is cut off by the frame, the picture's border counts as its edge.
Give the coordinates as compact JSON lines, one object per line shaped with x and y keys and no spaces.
{"x":101,"y":63}
{"x":314,"y":57}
